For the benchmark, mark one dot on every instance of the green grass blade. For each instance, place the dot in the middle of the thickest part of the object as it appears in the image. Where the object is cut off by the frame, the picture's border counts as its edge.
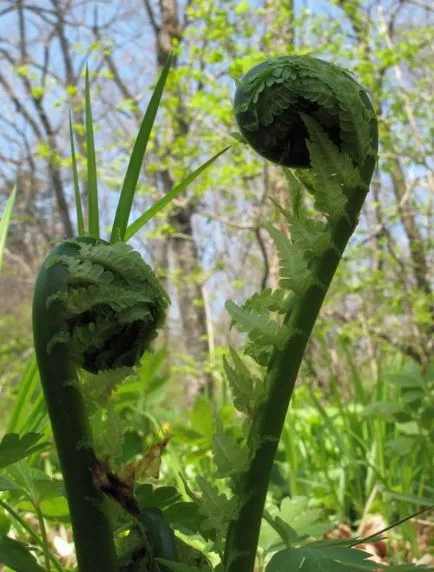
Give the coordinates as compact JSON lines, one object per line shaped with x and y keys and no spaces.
{"x":414,"y":499}
{"x":92,"y":188}
{"x":168,"y":197}
{"x":78,"y":206}
{"x":29,"y":412}
{"x":32,"y":533}
{"x":135,"y":164}
{"x":4,"y":222}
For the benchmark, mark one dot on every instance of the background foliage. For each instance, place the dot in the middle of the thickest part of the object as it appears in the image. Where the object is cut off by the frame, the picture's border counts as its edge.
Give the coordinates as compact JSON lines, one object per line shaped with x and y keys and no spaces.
{"x":359,"y":436}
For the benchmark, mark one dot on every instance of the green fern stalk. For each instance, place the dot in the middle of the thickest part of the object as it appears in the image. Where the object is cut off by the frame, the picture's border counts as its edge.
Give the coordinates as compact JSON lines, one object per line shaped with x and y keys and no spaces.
{"x":304,"y":113}
{"x":96,"y":307}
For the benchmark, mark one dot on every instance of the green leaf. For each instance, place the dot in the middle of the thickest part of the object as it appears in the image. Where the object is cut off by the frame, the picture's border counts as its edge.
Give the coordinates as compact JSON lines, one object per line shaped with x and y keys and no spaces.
{"x":4,"y":222}
{"x":184,"y":515}
{"x":13,"y":447}
{"x":407,"y":379}
{"x":34,"y":483}
{"x":259,"y":327}
{"x":323,"y":181}
{"x":216,"y":507}
{"x":52,"y":508}
{"x":399,"y":447}
{"x":8,"y":484}
{"x":92,"y":184}
{"x":415,"y":499}
{"x":301,"y":517}
{"x":5,"y":523}
{"x":149,"y":496}
{"x":268,"y":300}
{"x":230,"y":456}
{"x":327,"y":159}
{"x":128,"y":190}
{"x":330,"y":558}
{"x":294,"y":520}
{"x":241,"y":382}
{"x":294,"y":274}
{"x":17,"y":556}
{"x":202,"y":417}
{"x":295,"y":191}
{"x":384,"y":410}
{"x":78,"y":206}
{"x":168,"y":197}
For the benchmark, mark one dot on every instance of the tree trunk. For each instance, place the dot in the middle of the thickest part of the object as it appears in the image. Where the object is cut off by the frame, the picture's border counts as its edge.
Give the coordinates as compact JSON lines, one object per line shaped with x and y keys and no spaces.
{"x":183,"y":243}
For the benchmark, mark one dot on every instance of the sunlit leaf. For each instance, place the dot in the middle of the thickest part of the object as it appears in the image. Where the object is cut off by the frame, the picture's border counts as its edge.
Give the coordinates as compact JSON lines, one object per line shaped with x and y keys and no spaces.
{"x":13,"y":447}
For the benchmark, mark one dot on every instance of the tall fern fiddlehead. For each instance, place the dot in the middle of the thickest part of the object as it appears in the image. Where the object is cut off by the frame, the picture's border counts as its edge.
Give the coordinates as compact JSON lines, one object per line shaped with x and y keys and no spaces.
{"x":310,"y":115}
{"x":273,"y":99}
{"x":96,"y":306}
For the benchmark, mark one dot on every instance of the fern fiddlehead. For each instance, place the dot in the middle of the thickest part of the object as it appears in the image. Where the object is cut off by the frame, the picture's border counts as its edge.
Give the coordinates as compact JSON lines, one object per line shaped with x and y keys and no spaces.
{"x":96,"y":306}
{"x":312,"y":116}
{"x":274,"y":98}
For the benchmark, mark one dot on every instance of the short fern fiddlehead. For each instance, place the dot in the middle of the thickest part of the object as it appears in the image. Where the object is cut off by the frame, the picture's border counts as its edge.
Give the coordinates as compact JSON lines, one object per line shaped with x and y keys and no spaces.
{"x":307,"y":114}
{"x":96,"y":306}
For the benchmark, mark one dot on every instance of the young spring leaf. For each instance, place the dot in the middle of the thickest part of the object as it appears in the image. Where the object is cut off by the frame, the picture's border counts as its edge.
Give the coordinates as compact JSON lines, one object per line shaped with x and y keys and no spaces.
{"x":243,"y":384}
{"x":230,"y":456}
{"x":268,"y":300}
{"x":13,"y":447}
{"x":294,"y":274}
{"x":216,"y":507}
{"x":326,"y":157}
{"x":258,"y":327}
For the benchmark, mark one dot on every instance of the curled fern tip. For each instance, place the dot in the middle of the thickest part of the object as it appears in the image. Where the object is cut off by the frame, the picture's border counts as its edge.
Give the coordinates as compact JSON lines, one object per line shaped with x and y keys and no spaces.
{"x":109,"y":301}
{"x":273,"y":99}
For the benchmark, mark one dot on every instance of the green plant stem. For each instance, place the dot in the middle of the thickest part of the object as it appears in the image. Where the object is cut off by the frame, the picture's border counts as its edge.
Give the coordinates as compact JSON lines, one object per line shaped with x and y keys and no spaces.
{"x":243,"y":533}
{"x":30,"y":532}
{"x":91,"y":526}
{"x":44,"y":538}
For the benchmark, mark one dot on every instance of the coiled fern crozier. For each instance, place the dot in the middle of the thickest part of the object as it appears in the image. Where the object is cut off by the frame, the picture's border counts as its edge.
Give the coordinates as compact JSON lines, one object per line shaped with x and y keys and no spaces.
{"x":97,"y":307}
{"x":314,"y":120}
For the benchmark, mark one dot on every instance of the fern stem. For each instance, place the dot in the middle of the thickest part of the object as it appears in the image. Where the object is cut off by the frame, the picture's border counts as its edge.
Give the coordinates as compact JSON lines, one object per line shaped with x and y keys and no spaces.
{"x":300,"y":112}
{"x":93,"y":536}
{"x":80,"y":322}
{"x":282,"y":373}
